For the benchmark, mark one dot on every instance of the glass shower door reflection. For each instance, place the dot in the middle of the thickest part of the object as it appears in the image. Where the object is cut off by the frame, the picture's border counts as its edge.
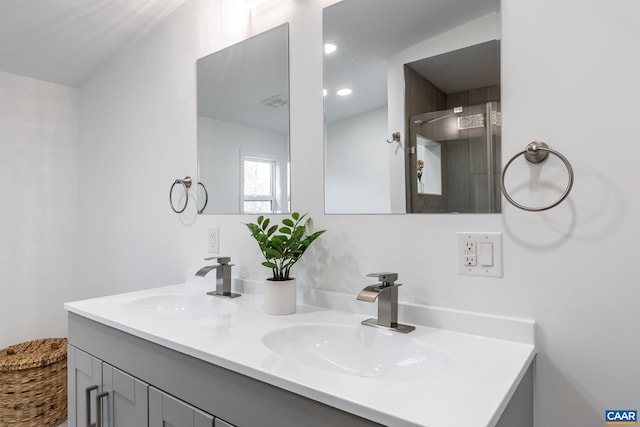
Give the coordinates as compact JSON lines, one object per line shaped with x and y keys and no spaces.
{"x":454,"y":165}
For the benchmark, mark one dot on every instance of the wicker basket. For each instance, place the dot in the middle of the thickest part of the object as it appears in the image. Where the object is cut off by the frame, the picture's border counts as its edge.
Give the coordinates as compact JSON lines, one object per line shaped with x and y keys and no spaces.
{"x":33,"y":383}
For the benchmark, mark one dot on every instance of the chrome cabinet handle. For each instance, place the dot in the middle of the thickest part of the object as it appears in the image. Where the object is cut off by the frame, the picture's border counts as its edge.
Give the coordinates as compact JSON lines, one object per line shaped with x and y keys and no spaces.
{"x":88,"y":391}
{"x":99,"y":408}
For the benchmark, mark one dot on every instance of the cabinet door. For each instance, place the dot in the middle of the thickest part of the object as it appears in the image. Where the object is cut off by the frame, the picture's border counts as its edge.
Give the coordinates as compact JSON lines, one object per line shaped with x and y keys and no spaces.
{"x":167,"y":411}
{"x":84,"y":380}
{"x":126,"y":403}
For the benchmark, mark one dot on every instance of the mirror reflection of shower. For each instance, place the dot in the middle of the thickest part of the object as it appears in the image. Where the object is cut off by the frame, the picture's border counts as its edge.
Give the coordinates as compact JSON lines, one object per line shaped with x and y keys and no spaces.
{"x":457,"y":159}
{"x":456,"y":110}
{"x":453,"y":124}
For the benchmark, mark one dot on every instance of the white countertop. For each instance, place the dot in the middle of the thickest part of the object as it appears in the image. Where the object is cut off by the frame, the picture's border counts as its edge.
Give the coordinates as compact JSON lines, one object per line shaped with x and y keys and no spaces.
{"x":473,"y":389}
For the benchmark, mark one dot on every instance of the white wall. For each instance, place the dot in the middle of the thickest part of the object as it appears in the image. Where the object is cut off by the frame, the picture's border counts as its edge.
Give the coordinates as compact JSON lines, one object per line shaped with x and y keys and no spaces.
{"x":38,"y":206}
{"x":221,"y":145}
{"x":569,"y":78}
{"x":357,"y":173}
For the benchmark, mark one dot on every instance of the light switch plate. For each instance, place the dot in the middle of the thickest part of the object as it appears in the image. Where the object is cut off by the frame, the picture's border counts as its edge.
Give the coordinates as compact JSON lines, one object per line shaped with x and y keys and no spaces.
{"x":475,"y":249}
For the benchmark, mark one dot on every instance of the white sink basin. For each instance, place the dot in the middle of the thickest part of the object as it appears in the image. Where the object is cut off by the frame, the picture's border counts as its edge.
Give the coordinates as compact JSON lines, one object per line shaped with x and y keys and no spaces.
{"x":357,"y":350}
{"x":180,"y":306}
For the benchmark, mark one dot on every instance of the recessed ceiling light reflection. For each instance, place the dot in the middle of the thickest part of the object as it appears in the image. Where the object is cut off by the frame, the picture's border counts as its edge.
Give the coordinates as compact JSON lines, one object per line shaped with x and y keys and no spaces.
{"x":324,"y":92}
{"x":344,"y":92}
{"x":330,"y":48}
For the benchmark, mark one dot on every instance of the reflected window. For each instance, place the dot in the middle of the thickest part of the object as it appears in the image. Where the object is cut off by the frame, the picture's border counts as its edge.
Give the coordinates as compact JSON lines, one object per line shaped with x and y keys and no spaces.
{"x":258,"y":185}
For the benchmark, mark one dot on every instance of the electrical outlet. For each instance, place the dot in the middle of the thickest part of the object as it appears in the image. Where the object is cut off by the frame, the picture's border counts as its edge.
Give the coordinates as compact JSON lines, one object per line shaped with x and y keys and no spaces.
{"x":213,"y":240}
{"x":470,"y":260}
{"x":469,"y":253}
{"x":480,"y":254}
{"x":469,"y":247}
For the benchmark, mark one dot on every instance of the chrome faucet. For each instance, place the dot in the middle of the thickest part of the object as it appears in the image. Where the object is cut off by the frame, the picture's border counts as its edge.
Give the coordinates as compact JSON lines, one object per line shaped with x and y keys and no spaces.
{"x":223,"y":276}
{"x":387,"y":294}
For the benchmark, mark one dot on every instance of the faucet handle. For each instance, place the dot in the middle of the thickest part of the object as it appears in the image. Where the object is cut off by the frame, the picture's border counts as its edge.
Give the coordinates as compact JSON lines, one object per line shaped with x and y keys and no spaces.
{"x":223,"y":260}
{"x":387,"y":279}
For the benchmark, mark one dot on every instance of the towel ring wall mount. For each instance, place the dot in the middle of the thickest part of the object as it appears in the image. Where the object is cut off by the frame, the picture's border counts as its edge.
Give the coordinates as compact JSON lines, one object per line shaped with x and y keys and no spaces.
{"x":395,"y":137}
{"x":186,"y":184}
{"x":537,"y":152}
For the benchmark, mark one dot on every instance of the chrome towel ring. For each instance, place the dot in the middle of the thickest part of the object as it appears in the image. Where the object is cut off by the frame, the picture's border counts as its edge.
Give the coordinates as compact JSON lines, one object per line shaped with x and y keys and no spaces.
{"x":186,"y":183}
{"x":537,"y":152}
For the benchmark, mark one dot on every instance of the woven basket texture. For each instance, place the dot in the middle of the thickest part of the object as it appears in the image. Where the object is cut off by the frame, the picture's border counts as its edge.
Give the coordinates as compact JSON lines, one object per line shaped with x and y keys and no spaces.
{"x":33,"y":383}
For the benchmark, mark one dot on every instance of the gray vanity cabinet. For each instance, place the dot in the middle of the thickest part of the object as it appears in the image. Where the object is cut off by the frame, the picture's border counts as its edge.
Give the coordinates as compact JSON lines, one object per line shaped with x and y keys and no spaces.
{"x":165,"y":410}
{"x":84,"y":381}
{"x":126,"y":403}
{"x":179,"y":387}
{"x":95,"y":387}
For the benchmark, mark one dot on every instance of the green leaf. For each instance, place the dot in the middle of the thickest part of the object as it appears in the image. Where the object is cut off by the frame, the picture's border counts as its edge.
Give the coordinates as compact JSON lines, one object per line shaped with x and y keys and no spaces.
{"x":279,"y":242}
{"x":253,"y":228}
{"x":287,"y":222}
{"x":260,"y":218}
{"x":280,"y":239}
{"x":269,"y":264}
{"x":298,"y":232}
{"x":295,"y":215}
{"x":311,"y":237}
{"x":272,"y":253}
{"x":265,"y":223}
{"x":285,"y":230}
{"x":272,"y":230}
{"x":277,"y":246}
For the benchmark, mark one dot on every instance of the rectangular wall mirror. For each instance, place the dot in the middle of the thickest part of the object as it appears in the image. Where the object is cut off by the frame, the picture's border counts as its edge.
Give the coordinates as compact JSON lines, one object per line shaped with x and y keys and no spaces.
{"x":429,"y":71}
{"x":243,"y":126}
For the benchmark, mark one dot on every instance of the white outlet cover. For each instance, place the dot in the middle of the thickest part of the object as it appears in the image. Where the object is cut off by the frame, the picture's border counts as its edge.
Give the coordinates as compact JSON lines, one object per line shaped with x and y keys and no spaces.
{"x":464,"y":237}
{"x":213,"y":240}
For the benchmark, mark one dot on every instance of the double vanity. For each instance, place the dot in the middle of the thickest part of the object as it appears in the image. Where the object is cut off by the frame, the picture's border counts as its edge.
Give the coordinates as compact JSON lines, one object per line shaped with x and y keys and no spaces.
{"x":177,"y":356}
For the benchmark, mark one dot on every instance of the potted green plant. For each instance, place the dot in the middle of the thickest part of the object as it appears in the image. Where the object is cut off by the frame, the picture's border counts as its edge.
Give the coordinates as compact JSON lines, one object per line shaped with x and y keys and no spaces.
{"x":282,"y":246}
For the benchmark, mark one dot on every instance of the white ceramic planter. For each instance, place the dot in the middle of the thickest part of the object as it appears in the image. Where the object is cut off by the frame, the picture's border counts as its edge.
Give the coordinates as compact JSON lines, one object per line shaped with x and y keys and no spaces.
{"x":280,"y":297}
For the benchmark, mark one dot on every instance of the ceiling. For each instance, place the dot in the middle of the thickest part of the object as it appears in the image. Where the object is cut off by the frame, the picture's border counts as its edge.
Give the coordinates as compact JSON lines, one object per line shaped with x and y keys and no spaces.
{"x":67,"y":41}
{"x":451,"y":72}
